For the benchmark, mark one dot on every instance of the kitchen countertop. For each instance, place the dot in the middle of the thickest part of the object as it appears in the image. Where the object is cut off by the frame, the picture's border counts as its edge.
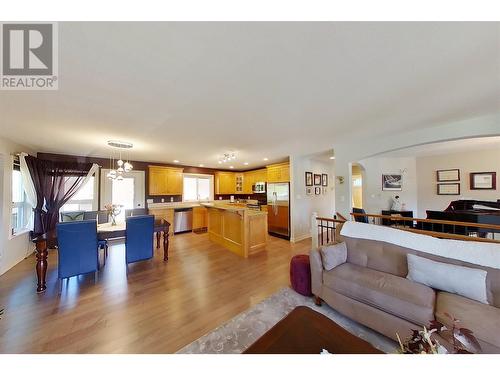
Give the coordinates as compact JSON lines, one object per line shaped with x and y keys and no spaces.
{"x":175,"y":205}
{"x":233,"y":207}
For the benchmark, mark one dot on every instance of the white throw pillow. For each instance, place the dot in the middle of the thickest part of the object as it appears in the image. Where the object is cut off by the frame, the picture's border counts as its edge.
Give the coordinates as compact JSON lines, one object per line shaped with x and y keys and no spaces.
{"x":465,"y":281}
{"x":333,"y":255}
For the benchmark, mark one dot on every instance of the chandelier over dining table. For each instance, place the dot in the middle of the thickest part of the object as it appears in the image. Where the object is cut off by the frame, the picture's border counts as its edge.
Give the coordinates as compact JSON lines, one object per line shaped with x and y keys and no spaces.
{"x":121,"y":166}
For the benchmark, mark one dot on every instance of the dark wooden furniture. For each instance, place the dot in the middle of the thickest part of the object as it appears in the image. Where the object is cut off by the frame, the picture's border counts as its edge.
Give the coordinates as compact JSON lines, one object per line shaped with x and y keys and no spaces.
{"x":466,"y":211}
{"x":305,"y":331}
{"x":49,"y":240}
{"x":394,"y":213}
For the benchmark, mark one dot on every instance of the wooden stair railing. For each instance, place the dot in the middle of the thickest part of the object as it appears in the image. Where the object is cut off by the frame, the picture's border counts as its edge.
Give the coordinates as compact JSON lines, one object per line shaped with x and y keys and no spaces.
{"x":457,"y":230}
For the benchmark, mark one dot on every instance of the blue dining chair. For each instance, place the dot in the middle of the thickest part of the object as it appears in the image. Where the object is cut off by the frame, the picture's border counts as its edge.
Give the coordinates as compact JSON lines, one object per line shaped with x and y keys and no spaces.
{"x":77,"y":249}
{"x":139,"y":238}
{"x":95,"y":215}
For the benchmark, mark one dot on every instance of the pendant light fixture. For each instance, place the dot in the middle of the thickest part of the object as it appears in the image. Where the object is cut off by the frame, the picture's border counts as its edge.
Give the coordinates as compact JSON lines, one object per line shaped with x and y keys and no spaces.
{"x":122,"y":167}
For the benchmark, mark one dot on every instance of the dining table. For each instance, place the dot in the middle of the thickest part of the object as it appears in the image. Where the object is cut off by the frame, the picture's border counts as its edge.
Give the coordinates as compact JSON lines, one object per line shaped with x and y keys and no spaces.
{"x":105,"y":231}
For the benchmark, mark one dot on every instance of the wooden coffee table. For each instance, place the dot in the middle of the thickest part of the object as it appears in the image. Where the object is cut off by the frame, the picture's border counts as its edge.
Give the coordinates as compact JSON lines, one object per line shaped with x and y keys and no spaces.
{"x":305,"y":331}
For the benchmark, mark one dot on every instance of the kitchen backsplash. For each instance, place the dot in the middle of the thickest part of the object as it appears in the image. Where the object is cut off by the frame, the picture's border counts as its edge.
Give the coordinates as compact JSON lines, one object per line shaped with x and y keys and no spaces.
{"x":262,"y":198}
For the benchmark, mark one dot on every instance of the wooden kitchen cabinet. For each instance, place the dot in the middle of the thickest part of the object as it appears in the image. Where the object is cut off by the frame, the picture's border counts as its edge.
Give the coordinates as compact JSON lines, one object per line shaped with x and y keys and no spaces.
{"x":200,"y":217}
{"x":225,"y":183}
{"x":251,"y":177}
{"x":165,"y":180}
{"x":166,"y":214}
{"x":261,"y":175}
{"x":278,"y":172}
{"x":248,"y":181}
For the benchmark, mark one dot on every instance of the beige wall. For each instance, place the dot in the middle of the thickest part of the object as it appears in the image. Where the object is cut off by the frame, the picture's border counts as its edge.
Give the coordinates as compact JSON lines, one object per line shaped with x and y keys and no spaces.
{"x":487,"y":160}
{"x":12,"y":249}
{"x":374,"y":198}
{"x":303,"y":205}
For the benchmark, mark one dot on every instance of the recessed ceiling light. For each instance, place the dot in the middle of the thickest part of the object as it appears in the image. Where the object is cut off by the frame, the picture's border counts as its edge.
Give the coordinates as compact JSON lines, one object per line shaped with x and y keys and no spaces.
{"x":231,"y":167}
{"x":176,"y":161}
{"x":332,"y":157}
{"x":201,"y":165}
{"x":245,"y":163}
{"x":265,"y":159}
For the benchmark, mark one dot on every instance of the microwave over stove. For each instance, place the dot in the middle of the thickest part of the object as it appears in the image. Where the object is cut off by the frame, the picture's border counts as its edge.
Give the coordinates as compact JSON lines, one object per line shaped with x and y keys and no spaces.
{"x":259,"y":187}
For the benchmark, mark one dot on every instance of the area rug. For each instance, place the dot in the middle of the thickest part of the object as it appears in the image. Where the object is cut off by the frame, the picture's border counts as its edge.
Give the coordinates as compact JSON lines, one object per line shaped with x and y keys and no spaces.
{"x":236,"y":335}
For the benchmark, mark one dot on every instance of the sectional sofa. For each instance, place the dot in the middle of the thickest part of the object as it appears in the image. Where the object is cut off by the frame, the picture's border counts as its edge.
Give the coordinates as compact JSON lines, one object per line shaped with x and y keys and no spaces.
{"x":368,"y":278}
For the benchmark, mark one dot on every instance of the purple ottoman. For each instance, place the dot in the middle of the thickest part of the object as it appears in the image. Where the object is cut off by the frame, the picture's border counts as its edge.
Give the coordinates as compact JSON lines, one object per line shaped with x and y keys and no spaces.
{"x":300,"y":274}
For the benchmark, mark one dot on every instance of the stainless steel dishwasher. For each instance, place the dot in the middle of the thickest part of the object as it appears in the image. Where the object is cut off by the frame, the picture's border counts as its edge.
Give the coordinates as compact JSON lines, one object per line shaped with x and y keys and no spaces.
{"x":183,"y":220}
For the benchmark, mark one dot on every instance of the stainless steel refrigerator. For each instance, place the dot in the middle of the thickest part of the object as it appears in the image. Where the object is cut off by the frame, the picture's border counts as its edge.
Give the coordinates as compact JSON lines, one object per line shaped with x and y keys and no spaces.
{"x":278,"y":209}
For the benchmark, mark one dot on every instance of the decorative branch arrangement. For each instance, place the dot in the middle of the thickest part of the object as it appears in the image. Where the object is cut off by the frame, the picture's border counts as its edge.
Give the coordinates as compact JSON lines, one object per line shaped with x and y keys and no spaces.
{"x":423,"y":342}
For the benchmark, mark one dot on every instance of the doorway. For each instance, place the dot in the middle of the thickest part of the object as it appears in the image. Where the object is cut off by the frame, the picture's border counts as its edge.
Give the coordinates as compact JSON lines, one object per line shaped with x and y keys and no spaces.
{"x":357,"y":186}
{"x":129,"y":192}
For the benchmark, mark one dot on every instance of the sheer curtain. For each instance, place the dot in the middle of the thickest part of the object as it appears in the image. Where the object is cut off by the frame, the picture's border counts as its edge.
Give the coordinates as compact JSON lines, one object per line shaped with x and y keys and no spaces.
{"x":48,"y":179}
{"x":29,"y":188}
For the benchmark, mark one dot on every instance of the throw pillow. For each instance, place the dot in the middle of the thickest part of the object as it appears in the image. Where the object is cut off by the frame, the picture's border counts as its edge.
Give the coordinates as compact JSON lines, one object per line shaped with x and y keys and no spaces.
{"x":333,"y":255}
{"x":465,"y":281}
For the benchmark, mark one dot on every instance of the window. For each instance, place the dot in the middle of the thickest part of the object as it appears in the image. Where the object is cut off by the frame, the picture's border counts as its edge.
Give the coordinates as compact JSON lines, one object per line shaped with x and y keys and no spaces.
{"x":20,"y":207}
{"x":85,"y":199}
{"x":197,"y":188}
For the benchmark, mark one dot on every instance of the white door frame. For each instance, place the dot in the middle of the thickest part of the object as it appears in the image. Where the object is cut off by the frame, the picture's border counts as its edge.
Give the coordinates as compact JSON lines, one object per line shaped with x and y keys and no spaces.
{"x":139,"y":188}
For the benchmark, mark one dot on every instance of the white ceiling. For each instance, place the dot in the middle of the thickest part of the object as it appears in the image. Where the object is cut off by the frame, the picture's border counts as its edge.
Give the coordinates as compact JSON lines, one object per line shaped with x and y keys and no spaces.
{"x":449,"y":147}
{"x":191,"y":91}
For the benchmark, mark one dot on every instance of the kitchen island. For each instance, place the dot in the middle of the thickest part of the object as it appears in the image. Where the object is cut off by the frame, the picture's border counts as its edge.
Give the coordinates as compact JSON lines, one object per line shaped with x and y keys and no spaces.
{"x":239,"y":229}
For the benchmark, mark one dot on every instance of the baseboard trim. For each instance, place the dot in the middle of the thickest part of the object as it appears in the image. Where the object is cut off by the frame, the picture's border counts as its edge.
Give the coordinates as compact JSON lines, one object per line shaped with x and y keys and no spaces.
{"x":300,"y":238}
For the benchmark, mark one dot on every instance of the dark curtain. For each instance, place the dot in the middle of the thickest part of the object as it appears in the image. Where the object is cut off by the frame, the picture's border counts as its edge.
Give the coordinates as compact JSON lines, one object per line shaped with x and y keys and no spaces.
{"x":55,"y":183}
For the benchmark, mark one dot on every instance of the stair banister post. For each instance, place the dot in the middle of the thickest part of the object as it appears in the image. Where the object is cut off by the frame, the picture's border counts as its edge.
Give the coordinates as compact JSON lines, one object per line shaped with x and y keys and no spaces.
{"x":314,"y":230}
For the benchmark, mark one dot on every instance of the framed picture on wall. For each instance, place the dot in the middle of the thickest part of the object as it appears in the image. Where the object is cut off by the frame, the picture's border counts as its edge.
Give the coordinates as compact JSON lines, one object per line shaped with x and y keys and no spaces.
{"x":392,"y":182}
{"x":483,"y":181}
{"x":309,"y":179}
{"x":309,"y":190}
{"x":317,"y":190}
{"x":448,"y":189}
{"x":324,"y":190}
{"x":317,"y":179}
{"x":443,"y":175}
{"x":324,"y":179}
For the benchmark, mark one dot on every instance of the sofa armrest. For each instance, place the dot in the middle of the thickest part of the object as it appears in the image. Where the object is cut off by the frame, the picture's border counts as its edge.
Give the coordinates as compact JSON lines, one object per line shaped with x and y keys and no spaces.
{"x":316,"y":271}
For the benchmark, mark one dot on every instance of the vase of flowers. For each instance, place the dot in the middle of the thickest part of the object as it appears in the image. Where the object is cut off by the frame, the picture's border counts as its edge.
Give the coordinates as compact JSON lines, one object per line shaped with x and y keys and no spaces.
{"x":425,"y":341}
{"x":113,"y":211}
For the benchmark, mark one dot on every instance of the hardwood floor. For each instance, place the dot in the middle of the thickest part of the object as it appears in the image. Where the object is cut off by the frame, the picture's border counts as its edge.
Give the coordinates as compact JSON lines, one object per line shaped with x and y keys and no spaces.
{"x":159,"y":308}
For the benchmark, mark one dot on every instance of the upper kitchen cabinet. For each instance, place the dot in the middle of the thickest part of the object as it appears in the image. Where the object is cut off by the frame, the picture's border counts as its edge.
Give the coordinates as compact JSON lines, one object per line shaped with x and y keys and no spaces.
{"x":225,"y":183}
{"x":251,"y":177}
{"x":278,"y":172}
{"x":165,"y":180}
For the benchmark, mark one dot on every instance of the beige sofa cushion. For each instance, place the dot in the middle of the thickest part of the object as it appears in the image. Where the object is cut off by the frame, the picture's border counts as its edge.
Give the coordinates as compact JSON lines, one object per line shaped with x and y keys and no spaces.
{"x":483,"y":320}
{"x":333,"y":255}
{"x":465,"y":281}
{"x":392,"y":294}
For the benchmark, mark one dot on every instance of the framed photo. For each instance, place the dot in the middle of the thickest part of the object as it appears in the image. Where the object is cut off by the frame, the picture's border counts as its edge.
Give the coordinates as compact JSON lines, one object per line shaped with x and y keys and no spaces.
{"x":309,"y":179}
{"x":324,"y":179}
{"x":309,"y":190}
{"x":324,"y":190}
{"x":448,"y":175}
{"x":392,"y":182}
{"x":483,"y":181}
{"x":317,"y":190}
{"x":317,"y":179}
{"x":448,"y":189}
